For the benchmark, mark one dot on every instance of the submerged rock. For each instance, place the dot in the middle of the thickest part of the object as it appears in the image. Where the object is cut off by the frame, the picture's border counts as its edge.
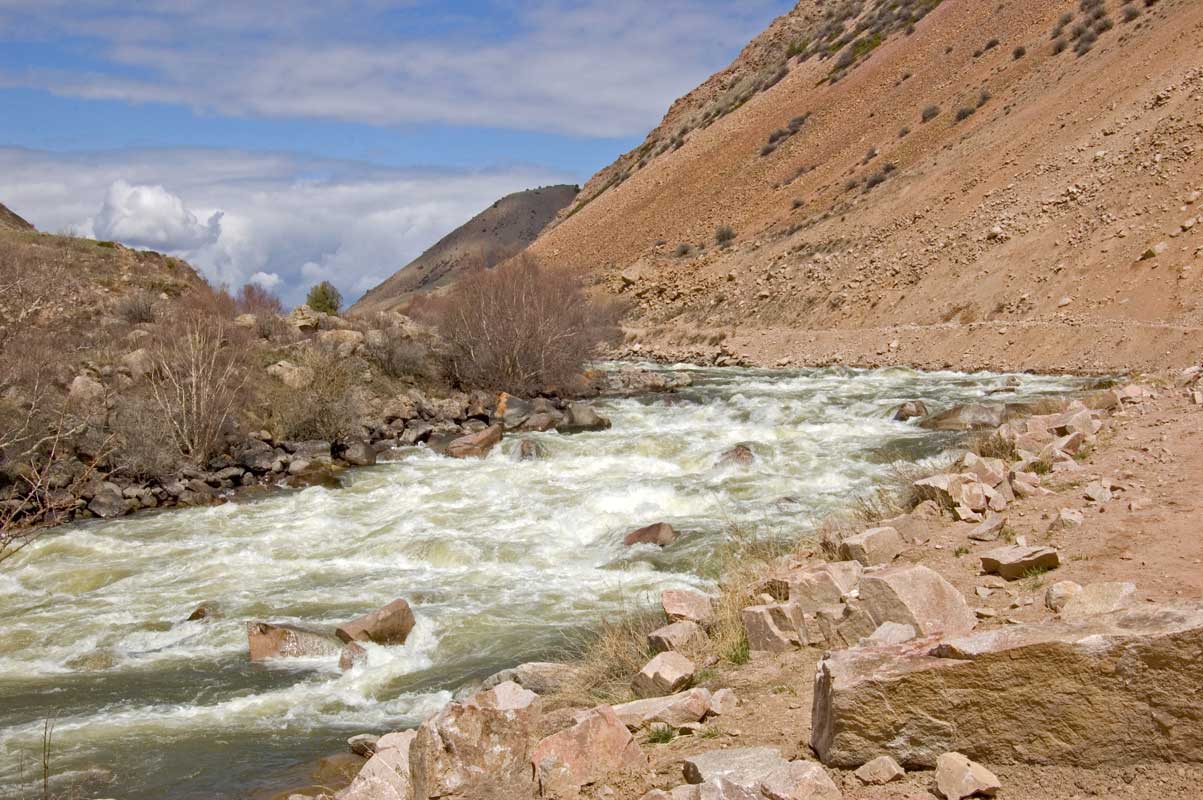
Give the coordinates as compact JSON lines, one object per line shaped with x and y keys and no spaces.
{"x":659,"y":533}
{"x":475,"y":445}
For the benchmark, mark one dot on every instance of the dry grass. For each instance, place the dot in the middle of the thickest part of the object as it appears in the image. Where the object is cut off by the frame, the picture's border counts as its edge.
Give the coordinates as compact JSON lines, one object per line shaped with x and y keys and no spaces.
{"x":327,"y":409}
{"x":608,"y":658}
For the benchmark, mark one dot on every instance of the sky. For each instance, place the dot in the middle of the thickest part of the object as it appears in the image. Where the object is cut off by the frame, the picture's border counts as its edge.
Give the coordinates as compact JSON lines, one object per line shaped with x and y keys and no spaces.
{"x":285,"y":143}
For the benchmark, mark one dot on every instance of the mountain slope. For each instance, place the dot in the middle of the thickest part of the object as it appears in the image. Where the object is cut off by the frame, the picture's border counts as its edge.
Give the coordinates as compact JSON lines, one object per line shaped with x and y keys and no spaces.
{"x":492,"y":236}
{"x":10,"y":220}
{"x":1024,"y":205}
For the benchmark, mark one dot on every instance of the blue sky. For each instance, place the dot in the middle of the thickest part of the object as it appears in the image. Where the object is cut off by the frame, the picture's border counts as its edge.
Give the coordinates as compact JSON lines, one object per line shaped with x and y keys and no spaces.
{"x":289,"y":142}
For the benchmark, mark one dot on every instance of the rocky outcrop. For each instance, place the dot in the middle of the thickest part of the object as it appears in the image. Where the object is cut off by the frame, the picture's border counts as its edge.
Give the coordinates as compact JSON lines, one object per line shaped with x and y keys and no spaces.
{"x":1113,"y":689}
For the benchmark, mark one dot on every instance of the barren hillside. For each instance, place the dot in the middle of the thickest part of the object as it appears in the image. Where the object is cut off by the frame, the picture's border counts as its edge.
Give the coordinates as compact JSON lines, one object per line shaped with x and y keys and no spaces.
{"x":10,"y":220}
{"x":492,"y":236}
{"x":958,"y":183}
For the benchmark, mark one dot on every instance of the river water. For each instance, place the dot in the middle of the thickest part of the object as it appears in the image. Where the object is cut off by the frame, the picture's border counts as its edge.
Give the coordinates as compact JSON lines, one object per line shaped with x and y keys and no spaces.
{"x":501,"y":560}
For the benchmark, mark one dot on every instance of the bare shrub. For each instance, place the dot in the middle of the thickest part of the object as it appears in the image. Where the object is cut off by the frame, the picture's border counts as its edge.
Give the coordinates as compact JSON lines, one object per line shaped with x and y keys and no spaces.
{"x":254,"y":299}
{"x":142,"y":437}
{"x":137,"y":308}
{"x":607,"y":657}
{"x":522,"y":328}
{"x":326,"y":409}
{"x":724,"y":234}
{"x":930,"y":113}
{"x":204,"y":300}
{"x":397,"y":353}
{"x":197,"y":380}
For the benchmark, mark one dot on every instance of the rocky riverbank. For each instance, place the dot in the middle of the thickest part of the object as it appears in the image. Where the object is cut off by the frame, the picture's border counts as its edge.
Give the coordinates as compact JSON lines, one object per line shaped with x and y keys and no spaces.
{"x":1032,"y":614}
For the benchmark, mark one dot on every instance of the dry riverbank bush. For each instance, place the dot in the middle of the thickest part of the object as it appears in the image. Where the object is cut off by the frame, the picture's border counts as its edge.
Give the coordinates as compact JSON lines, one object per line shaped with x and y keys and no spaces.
{"x":522,"y":328}
{"x":608,"y":658}
{"x":200,"y":369}
{"x":326,"y":409}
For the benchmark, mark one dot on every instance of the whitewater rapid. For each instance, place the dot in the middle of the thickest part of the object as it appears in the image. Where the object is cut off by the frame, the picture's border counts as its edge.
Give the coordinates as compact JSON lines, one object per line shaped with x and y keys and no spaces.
{"x":503,"y":561}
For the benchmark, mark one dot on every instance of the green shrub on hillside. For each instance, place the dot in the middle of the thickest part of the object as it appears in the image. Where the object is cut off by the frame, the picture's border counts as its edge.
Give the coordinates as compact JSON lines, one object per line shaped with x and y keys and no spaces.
{"x":324,"y":298}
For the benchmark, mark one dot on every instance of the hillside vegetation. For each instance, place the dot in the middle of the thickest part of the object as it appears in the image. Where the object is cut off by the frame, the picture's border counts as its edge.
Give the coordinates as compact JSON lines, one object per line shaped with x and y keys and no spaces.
{"x":920,"y":182}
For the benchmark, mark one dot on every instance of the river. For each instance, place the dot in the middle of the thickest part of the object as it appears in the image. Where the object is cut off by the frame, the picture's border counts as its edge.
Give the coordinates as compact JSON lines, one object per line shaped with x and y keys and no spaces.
{"x":503,"y":561}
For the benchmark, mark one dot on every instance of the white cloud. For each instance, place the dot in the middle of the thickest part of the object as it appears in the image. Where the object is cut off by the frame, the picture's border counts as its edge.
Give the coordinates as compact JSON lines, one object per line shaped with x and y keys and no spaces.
{"x":152,"y":217}
{"x":582,"y":67}
{"x":268,"y":280}
{"x":258,"y":217}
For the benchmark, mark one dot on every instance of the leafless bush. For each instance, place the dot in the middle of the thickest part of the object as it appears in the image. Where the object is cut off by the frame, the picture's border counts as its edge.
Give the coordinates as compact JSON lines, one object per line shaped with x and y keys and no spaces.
{"x":199,"y":372}
{"x":204,"y":300}
{"x":397,"y":353}
{"x":143,"y":439}
{"x":326,"y":409}
{"x":137,"y":308}
{"x":254,"y":299}
{"x":523,"y":328}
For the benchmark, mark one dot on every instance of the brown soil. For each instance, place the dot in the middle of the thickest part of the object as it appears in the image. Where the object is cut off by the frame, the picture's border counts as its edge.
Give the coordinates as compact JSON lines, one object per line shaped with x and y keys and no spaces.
{"x":1149,"y":535}
{"x":1013,"y":238}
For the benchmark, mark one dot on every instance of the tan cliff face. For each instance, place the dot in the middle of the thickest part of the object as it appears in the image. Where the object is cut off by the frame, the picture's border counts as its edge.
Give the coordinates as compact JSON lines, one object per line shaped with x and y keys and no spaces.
{"x":1053,"y":189}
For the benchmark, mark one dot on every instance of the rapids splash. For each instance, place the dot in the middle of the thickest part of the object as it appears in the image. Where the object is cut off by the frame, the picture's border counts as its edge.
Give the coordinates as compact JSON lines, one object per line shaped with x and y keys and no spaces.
{"x":501,"y":560}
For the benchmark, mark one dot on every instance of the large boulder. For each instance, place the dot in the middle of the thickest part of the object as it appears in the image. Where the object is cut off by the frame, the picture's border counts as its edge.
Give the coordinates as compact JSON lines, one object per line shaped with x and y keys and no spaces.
{"x":773,"y":628}
{"x":385,"y":776}
{"x":479,"y":748}
{"x":475,"y":445}
{"x":744,"y":765}
{"x":359,"y":454}
{"x":389,"y":625}
{"x":108,"y":502}
{"x":682,"y":635}
{"x":256,"y":456}
{"x":1098,"y":598}
{"x":916,"y":596}
{"x":1109,"y":690}
{"x":267,"y":641}
{"x":597,"y":746}
{"x":292,"y":375}
{"x":910,"y":410}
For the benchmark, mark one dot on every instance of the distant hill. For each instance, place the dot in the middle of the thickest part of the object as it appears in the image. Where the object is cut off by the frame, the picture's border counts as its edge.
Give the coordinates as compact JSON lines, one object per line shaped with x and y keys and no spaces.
{"x":497,"y":233}
{"x":10,"y":220}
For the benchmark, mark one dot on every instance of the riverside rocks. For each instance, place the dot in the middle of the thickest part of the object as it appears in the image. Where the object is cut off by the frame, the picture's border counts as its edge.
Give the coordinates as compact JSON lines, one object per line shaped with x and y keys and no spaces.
{"x":880,"y":771}
{"x":675,"y":711}
{"x":759,"y":773}
{"x":773,"y":628}
{"x":479,"y":748}
{"x":267,"y":641}
{"x":664,"y":674}
{"x":390,"y":625}
{"x":683,"y":635}
{"x":475,"y":445}
{"x":1017,"y":561}
{"x":874,"y":546}
{"x":540,"y":677}
{"x":1107,"y":690}
{"x":597,"y":746}
{"x":916,"y":596}
{"x":957,"y":777}
{"x":911,"y":409}
{"x":686,"y":604}
{"x":386,"y":775}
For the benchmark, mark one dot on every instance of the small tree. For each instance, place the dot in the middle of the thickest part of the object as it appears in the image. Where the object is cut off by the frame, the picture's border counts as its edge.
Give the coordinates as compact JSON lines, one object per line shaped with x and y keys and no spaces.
{"x":324,"y":298}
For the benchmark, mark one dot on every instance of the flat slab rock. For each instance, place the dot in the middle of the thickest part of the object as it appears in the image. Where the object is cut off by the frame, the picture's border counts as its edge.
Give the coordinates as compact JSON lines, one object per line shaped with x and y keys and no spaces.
{"x":1109,"y":690}
{"x":756,"y":772}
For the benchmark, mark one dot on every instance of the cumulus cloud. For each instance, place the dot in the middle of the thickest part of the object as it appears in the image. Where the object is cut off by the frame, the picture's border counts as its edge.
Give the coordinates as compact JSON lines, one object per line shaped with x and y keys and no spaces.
{"x":152,"y":217}
{"x":562,"y":66}
{"x":258,"y":217}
